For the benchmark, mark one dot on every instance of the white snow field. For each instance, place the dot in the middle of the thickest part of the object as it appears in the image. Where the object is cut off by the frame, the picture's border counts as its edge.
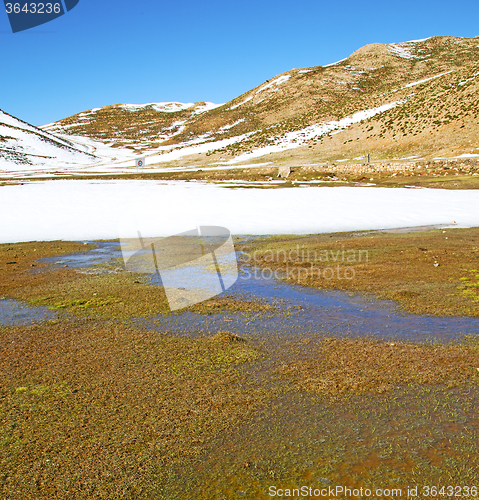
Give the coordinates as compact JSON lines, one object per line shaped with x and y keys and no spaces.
{"x":88,"y":210}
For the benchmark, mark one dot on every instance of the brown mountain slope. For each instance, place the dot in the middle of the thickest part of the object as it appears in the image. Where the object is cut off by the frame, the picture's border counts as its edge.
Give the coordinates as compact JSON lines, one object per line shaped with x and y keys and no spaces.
{"x":433,"y":83}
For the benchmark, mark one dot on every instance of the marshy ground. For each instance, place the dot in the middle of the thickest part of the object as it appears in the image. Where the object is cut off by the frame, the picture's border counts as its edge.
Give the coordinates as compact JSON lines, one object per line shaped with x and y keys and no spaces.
{"x":428,"y":272}
{"x":115,"y":397}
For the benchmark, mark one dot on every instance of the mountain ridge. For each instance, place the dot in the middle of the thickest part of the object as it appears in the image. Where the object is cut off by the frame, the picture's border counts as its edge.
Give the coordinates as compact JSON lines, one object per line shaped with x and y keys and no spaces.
{"x":372,"y":76}
{"x":410,"y":99}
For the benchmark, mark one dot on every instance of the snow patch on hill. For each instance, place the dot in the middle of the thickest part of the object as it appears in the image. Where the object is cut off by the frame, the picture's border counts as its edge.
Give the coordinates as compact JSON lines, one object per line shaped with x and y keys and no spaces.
{"x":207,"y":106}
{"x":426,"y":79}
{"x":165,"y":107}
{"x":270,"y":87}
{"x":241,"y":103}
{"x":463,"y":82}
{"x":334,"y":63}
{"x":403,"y":50}
{"x":274,"y":84}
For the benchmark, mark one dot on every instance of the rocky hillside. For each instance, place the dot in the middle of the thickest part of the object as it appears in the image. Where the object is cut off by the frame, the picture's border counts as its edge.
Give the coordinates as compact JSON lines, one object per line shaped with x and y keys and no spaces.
{"x":411,"y":99}
{"x":133,"y":126}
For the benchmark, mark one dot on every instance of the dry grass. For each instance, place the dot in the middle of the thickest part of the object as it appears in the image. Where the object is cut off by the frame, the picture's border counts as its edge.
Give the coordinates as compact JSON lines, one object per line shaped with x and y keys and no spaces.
{"x":343,"y":366}
{"x":95,"y":408}
{"x":19,"y":266}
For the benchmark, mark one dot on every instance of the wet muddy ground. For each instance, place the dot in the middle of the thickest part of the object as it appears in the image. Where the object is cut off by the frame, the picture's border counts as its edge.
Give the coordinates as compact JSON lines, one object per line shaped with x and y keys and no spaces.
{"x":310,"y":389}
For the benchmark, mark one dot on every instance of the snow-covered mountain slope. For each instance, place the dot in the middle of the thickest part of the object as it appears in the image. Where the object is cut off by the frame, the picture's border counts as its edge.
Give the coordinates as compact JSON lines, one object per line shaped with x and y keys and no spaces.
{"x":25,"y":147}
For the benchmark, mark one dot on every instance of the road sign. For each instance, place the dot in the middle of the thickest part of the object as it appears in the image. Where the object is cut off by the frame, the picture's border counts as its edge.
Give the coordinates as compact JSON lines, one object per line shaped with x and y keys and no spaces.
{"x":139,"y":163}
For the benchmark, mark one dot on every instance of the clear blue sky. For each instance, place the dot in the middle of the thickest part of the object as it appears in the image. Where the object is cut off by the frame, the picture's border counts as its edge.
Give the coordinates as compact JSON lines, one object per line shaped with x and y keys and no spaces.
{"x":117,"y":51}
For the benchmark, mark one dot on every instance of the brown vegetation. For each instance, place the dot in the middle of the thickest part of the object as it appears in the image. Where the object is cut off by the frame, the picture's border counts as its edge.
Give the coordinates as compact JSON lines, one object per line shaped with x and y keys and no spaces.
{"x":341,"y":366}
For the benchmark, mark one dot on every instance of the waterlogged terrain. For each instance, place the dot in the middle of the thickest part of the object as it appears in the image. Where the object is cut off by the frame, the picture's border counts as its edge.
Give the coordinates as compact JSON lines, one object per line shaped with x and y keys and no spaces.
{"x":405,"y":439}
{"x":300,"y":312}
{"x":13,"y":312}
{"x":271,"y":390}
